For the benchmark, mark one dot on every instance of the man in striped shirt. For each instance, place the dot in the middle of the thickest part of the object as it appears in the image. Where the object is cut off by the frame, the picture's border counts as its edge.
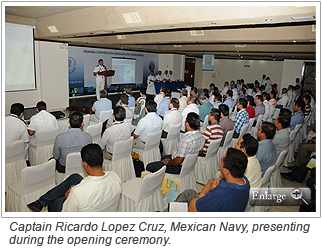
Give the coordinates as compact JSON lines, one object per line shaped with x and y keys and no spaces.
{"x":213,"y":131}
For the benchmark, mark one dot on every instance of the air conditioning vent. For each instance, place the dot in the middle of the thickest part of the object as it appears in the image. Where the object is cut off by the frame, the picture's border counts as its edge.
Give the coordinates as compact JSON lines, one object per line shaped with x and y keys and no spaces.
{"x":196,"y":32}
{"x":240,"y":45}
{"x":121,"y":37}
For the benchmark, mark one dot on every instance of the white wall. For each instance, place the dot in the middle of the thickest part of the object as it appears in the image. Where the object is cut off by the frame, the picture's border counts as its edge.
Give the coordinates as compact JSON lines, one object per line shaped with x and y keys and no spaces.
{"x":51,"y":79}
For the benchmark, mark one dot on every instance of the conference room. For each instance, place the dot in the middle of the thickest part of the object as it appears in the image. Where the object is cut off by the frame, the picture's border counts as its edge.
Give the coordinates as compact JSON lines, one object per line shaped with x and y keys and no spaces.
{"x":200,"y":45}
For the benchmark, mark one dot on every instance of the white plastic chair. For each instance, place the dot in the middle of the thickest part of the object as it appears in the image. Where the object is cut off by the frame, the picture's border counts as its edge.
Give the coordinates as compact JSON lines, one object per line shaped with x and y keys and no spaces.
{"x":143,"y":195}
{"x":276,"y":112}
{"x":186,"y":177}
{"x":45,"y":140}
{"x":207,"y":166}
{"x":151,"y":152}
{"x":291,"y":149}
{"x":86,"y":122}
{"x":266,"y":115}
{"x":104,"y":115}
{"x":258,"y":124}
{"x":73,"y":165}
{"x":275,"y":181}
{"x":122,"y":162}
{"x":15,"y":161}
{"x":251,"y":122}
{"x":95,"y":131}
{"x":241,"y":134}
{"x":223,"y":149}
{"x":205,"y":124}
{"x":271,"y":114}
{"x":35,"y":181}
{"x":170,"y":143}
{"x":264,"y":188}
{"x":111,"y":207}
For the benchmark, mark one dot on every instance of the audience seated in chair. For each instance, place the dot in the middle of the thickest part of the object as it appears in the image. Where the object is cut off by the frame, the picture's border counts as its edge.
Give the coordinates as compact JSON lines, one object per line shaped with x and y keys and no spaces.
{"x":281,"y":139}
{"x":172,"y":117}
{"x":119,"y":130}
{"x":225,"y":122}
{"x":70,"y":141}
{"x":242,"y":117}
{"x":191,"y":143}
{"x":103,"y":104}
{"x":298,"y":116}
{"x":78,"y":194}
{"x":229,"y":194}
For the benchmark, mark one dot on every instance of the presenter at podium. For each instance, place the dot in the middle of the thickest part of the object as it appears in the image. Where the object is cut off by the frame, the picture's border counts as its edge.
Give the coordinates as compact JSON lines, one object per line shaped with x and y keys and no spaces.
{"x":100,"y":78}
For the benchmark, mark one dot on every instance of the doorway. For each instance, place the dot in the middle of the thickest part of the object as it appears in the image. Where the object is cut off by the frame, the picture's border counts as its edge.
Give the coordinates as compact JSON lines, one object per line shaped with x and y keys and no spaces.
{"x":189,"y":72}
{"x":308,"y":80}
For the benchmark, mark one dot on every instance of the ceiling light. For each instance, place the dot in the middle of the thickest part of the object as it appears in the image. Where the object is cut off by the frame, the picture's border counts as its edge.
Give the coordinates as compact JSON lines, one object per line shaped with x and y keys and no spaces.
{"x":121,"y":37}
{"x":196,"y":32}
{"x":132,"y":17}
{"x":268,"y":20}
{"x":171,"y":26}
{"x":213,"y":23}
{"x":137,"y":28}
{"x":101,"y":32}
{"x":240,"y":45}
{"x":300,"y":18}
{"x":53,"y":29}
{"x":294,"y":41}
{"x":256,"y":41}
{"x":312,"y":40}
{"x":177,"y":46}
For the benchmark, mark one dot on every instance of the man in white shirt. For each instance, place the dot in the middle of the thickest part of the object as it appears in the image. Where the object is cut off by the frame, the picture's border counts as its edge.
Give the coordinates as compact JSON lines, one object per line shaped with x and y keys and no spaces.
{"x":172,"y":117}
{"x":226,"y":88}
{"x":183,"y":99}
{"x":100,"y":79}
{"x":282,"y":137}
{"x":166,"y":75}
{"x":191,"y":107}
{"x":160,"y":96}
{"x":103,"y":104}
{"x":41,"y":121}
{"x":268,"y":85}
{"x":188,"y":88}
{"x":149,"y":124}
{"x":15,"y":127}
{"x":171,"y":76}
{"x":266,"y":98}
{"x":150,"y":84}
{"x":78,"y":194}
{"x":118,"y":131}
{"x":124,"y":102}
{"x":159,"y":77}
{"x":282,"y":102}
{"x":263,"y":80}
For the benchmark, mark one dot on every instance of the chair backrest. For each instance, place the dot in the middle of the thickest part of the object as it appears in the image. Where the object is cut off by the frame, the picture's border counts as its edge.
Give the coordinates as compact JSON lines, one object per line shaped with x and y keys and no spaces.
{"x":174,"y":132}
{"x":37,"y":177}
{"x":15,"y":151}
{"x":267,"y":176}
{"x":266,"y":115}
{"x":95,"y":131}
{"x":228,"y":138}
{"x":205,"y":123}
{"x":276,"y":112}
{"x":271,"y":114}
{"x":251,"y":122}
{"x":259,"y":121}
{"x":188,"y":164}
{"x":153,"y":140}
{"x":74,"y":163}
{"x":47,"y":137}
{"x":86,"y":121}
{"x":292,"y":135}
{"x":280,"y":159}
{"x":111,"y":207}
{"x":122,"y":149}
{"x":212,"y":148}
{"x":151,"y":183}
{"x":244,"y":130}
{"x":104,"y":115}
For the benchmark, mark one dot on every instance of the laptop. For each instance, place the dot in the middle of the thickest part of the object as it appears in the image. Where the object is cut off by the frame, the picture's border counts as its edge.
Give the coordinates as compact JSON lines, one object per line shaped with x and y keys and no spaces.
{"x":28,"y":113}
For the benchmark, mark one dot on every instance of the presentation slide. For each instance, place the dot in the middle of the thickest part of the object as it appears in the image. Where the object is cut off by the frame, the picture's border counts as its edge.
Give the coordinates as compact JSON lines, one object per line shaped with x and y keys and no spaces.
{"x":124,"y":71}
{"x":20,"y":62}
{"x":208,"y":62}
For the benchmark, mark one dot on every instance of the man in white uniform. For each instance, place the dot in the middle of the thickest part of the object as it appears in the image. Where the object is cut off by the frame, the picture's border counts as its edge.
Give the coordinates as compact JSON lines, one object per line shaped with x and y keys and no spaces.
{"x":100,"y":79}
{"x":16,"y":128}
{"x":78,"y":194}
{"x":41,"y":121}
{"x":159,"y":77}
{"x":171,"y":76}
{"x":166,"y":75}
{"x":150,"y":84}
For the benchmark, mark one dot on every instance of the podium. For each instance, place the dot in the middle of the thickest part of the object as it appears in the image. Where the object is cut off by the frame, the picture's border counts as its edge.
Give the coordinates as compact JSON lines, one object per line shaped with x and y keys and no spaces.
{"x":107,"y":73}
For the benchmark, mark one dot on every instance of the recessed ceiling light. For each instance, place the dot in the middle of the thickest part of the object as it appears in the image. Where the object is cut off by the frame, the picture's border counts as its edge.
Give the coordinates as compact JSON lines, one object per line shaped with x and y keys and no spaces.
{"x":256,"y":41}
{"x":213,"y":23}
{"x":53,"y":29}
{"x":101,"y":32}
{"x":132,"y":17}
{"x":121,"y":37}
{"x":196,"y":32}
{"x":137,"y":28}
{"x":171,"y":26}
{"x":268,"y":20}
{"x":312,"y":40}
{"x":300,"y":18}
{"x":294,"y":41}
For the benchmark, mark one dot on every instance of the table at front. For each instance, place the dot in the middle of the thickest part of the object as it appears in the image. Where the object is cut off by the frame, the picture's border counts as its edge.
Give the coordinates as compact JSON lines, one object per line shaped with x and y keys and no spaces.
{"x":171,"y":85}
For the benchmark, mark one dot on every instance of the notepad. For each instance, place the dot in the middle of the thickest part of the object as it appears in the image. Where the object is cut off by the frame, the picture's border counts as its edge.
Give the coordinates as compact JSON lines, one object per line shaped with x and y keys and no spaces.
{"x":311,"y":164}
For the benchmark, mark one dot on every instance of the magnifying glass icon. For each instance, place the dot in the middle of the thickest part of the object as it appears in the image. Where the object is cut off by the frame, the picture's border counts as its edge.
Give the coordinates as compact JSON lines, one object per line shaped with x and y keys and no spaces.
{"x":297,"y":195}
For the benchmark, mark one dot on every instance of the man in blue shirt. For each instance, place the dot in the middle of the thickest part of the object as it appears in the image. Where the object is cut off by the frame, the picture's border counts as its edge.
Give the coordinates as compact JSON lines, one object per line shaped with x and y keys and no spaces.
{"x":266,"y":153}
{"x":164,"y":104}
{"x":128,"y":92}
{"x":229,"y":99}
{"x":298,"y":116}
{"x":103,"y":104}
{"x":205,"y":107}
